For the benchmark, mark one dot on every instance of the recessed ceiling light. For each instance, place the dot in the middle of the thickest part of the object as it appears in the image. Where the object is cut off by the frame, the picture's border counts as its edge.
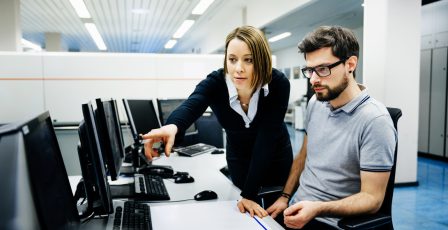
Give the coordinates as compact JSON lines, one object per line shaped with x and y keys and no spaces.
{"x":95,"y":34}
{"x":80,"y":8}
{"x":280,"y":36}
{"x":183,"y":28}
{"x":28,"y":44}
{"x":201,"y":7}
{"x":170,"y":44}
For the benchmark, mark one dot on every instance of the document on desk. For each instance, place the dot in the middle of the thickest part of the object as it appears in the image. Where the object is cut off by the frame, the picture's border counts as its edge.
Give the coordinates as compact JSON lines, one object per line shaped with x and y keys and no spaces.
{"x":204,"y":215}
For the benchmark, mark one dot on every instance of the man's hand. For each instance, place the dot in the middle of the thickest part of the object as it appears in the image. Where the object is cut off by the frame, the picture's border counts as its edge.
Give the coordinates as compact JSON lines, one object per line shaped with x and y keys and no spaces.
{"x":301,"y":213}
{"x":276,"y":208}
{"x":252,"y":207}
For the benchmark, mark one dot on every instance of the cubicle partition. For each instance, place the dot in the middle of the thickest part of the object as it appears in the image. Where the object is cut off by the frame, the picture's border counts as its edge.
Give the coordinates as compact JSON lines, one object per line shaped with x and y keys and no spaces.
{"x":61,"y":82}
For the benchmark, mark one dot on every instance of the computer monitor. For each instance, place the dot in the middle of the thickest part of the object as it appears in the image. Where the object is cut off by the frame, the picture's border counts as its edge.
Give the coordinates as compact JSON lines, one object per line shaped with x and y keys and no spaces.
{"x":50,"y":188}
{"x":110,"y":137}
{"x":141,"y":115}
{"x":167,"y":106}
{"x":92,"y":165}
{"x":16,"y":199}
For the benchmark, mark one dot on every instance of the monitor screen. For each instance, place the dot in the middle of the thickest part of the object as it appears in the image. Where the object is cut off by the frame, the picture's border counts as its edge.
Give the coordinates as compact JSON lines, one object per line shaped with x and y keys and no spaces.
{"x":16,"y":199}
{"x":92,"y":164}
{"x":167,"y":106}
{"x":53,"y":197}
{"x":143,"y":116}
{"x":109,"y":131}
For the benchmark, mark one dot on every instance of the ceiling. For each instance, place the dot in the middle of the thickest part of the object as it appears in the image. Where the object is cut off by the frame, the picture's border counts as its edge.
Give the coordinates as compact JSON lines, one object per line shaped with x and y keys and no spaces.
{"x":125,"y":31}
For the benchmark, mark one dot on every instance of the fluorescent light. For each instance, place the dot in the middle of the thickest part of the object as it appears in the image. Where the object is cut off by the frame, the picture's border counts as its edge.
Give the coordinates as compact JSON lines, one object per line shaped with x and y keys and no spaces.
{"x":170,"y":44}
{"x":80,"y":8}
{"x":280,"y":36}
{"x":201,"y":7}
{"x":93,"y":31}
{"x":183,"y":28}
{"x":28,"y":44}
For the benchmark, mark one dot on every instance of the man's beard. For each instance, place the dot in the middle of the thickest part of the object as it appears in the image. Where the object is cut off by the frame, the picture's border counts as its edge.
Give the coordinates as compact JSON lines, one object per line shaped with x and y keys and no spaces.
{"x":332,"y":93}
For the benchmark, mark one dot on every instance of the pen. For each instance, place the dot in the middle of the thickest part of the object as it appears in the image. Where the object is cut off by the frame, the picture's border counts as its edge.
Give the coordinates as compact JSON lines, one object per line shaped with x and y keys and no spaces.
{"x":260,"y":223}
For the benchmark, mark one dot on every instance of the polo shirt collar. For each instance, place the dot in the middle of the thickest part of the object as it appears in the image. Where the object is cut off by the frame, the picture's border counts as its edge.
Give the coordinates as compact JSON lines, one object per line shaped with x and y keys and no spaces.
{"x":354,"y":103}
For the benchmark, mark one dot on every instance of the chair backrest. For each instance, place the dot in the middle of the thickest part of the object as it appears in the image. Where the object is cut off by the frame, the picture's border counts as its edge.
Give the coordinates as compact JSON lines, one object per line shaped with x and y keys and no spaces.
{"x":386,"y":207}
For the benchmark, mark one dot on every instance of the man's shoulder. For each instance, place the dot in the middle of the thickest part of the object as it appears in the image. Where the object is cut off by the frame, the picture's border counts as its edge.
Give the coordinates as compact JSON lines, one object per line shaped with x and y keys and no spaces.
{"x":373,"y":108}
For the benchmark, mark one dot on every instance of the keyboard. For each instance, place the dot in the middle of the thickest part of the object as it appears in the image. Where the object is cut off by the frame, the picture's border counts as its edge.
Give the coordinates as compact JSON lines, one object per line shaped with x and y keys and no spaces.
{"x":195,"y":149}
{"x":130,"y":215}
{"x":150,"y":187}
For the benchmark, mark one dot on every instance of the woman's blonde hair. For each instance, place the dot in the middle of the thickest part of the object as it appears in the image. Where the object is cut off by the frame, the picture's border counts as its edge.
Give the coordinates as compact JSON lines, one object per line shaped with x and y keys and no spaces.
{"x":261,"y":53}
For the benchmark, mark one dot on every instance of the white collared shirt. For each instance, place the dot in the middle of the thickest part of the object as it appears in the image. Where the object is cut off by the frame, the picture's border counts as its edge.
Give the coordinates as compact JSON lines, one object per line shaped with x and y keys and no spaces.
{"x":235,"y":103}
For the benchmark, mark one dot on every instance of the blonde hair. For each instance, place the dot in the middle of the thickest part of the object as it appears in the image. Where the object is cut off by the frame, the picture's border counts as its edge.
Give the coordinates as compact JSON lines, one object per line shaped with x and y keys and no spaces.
{"x":261,"y":53}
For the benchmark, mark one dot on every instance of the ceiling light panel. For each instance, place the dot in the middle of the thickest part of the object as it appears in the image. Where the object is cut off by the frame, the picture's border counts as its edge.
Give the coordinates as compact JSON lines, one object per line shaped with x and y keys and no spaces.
{"x":279,"y":37}
{"x":183,"y":28}
{"x":201,"y":7}
{"x":80,"y":8}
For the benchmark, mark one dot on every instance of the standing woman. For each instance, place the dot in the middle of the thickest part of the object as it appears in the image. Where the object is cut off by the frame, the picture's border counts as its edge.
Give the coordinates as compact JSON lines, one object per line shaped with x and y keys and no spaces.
{"x":249,"y":99}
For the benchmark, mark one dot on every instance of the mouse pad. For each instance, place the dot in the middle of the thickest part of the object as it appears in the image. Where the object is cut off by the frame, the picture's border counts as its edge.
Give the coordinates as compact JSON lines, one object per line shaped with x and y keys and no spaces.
{"x":215,"y":215}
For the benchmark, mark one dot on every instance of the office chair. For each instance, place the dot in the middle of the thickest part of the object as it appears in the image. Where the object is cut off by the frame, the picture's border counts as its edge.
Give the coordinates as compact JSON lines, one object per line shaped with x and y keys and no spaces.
{"x":383,"y":218}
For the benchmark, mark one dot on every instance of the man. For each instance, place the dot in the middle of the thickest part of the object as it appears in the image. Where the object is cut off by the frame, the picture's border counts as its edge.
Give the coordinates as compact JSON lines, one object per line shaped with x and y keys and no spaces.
{"x":344,"y":164}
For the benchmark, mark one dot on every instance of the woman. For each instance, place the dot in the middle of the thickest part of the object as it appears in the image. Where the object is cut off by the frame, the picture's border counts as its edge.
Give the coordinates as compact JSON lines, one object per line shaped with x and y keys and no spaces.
{"x":249,"y":99}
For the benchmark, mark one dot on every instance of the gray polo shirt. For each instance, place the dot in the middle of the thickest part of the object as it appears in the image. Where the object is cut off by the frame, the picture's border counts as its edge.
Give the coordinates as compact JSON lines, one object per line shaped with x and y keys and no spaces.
{"x":342,"y":142}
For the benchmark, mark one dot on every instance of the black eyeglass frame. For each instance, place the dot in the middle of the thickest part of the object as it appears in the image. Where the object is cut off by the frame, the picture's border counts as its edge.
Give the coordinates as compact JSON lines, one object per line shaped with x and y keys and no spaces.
{"x":313,"y":69}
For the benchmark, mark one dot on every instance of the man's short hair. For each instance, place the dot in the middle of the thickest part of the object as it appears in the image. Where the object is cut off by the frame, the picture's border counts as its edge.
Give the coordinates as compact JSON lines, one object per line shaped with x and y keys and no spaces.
{"x":342,"y":41}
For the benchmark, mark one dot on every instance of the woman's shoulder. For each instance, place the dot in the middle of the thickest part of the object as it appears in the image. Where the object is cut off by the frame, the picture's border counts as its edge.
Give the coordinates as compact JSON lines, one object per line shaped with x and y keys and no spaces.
{"x":217,"y":74}
{"x":279,"y":77}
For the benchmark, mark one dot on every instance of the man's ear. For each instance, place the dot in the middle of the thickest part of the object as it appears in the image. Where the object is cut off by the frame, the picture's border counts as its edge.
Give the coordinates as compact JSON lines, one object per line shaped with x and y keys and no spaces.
{"x":352,"y":63}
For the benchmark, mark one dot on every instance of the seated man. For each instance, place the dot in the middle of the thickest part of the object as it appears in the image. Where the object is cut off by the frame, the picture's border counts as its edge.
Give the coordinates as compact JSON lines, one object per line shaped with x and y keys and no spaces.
{"x":347,"y":152}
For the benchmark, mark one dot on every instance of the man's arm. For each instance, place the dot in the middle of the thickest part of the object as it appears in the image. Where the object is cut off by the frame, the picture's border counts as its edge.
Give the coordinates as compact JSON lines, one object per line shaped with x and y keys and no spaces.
{"x":292,"y":182}
{"x":367,"y":201}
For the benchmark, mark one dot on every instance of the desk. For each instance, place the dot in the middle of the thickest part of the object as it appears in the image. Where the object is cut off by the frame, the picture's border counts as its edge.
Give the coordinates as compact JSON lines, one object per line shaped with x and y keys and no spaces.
{"x":205,"y":170}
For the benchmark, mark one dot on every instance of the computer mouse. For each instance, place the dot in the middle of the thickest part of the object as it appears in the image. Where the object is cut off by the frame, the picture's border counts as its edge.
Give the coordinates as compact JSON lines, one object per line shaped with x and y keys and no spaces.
{"x":181,"y":179}
{"x":206,"y":195}
{"x":217,"y":151}
{"x":177,"y":174}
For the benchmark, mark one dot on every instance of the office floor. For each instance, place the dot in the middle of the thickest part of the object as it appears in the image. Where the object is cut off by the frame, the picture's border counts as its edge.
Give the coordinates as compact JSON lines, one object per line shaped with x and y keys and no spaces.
{"x":414,"y":207}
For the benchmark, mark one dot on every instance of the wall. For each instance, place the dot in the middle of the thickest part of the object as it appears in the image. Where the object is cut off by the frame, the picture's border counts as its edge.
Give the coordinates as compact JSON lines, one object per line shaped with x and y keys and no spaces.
{"x":61,"y":82}
{"x":391,"y":70}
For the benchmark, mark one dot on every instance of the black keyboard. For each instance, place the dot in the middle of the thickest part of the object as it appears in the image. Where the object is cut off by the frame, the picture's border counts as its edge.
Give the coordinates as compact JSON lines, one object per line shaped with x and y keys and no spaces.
{"x":132,"y":215}
{"x":195,"y":149}
{"x":150,"y":187}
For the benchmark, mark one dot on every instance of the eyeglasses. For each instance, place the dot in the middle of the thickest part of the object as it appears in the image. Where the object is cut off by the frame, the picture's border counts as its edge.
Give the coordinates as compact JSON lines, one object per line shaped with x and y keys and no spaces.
{"x":321,"y":71}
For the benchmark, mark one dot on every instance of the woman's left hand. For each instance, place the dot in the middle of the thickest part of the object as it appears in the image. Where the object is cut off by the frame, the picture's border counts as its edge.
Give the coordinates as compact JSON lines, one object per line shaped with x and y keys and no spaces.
{"x":252,"y":207}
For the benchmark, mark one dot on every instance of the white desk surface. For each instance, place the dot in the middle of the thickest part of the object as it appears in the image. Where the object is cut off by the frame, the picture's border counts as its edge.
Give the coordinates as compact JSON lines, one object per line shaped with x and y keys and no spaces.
{"x":182,"y":212}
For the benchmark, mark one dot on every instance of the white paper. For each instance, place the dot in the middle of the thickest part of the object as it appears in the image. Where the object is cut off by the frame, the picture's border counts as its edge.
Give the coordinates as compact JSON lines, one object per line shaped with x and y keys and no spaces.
{"x":205,"y":215}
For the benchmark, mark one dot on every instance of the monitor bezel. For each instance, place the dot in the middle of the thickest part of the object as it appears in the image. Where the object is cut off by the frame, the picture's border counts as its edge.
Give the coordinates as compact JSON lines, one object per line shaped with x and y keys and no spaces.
{"x":113,"y":161}
{"x":102,"y":201}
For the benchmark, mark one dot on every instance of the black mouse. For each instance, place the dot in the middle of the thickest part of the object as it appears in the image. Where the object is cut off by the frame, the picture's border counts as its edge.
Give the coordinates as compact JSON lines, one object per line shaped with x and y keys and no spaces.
{"x":217,"y":151}
{"x":206,"y":195}
{"x":181,"y":179}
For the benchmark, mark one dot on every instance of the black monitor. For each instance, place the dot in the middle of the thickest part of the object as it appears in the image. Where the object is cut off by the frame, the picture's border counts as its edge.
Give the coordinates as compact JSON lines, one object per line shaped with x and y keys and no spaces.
{"x":167,"y":106}
{"x":92,"y":165}
{"x":141,"y":115}
{"x":38,"y":152}
{"x":110,"y":137}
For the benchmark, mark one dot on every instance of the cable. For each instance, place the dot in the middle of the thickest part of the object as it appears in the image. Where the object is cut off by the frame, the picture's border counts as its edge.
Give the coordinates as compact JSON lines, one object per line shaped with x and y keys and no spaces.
{"x":88,"y":218}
